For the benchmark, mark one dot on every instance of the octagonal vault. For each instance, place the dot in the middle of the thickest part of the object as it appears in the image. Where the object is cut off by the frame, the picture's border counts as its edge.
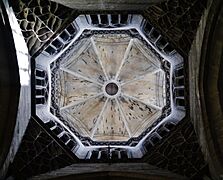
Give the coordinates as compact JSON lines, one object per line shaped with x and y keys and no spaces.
{"x":100,"y":63}
{"x":109,"y":84}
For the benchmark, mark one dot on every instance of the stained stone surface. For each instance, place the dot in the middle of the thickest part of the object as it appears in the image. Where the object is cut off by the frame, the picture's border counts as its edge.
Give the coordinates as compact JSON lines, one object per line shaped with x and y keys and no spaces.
{"x":112,"y":88}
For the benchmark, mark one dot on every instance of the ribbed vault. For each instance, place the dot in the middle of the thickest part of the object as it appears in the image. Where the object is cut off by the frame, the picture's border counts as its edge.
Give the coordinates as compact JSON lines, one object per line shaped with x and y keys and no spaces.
{"x":105,"y":83}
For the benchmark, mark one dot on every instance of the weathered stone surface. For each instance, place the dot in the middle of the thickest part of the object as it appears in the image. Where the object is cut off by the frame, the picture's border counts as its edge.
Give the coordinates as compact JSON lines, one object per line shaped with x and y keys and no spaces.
{"x":126,"y":171}
{"x":23,"y":108}
{"x":177,"y":20}
{"x":40,"y":21}
{"x":205,"y":102}
{"x":38,"y":153}
{"x":96,"y":5}
{"x":9,"y":88}
{"x":179,"y":152}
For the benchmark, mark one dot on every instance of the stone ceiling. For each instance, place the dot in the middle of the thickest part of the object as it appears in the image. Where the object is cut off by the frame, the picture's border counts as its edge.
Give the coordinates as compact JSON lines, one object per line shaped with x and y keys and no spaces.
{"x":110,"y":84}
{"x":137,"y":91}
{"x":105,"y":93}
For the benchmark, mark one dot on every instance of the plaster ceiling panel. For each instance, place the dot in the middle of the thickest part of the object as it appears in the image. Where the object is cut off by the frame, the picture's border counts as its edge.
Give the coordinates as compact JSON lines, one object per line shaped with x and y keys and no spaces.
{"x":85,"y":113}
{"x":112,"y":126}
{"x":86,"y":64}
{"x":138,"y":62}
{"x":138,"y":115}
{"x":152,"y":89}
{"x":74,"y":89}
{"x":111,"y":51}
